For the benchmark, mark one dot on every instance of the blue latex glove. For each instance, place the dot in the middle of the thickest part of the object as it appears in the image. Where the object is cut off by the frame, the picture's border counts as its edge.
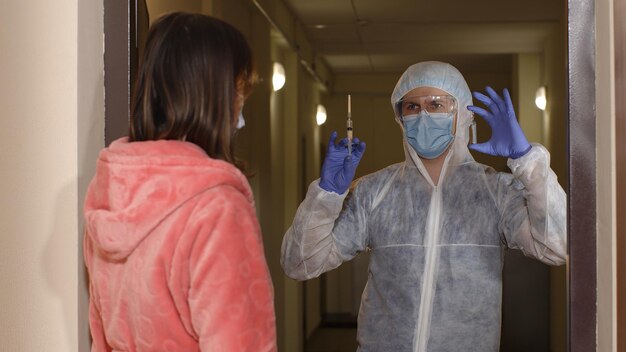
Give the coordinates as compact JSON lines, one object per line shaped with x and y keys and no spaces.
{"x":507,"y":138}
{"x":338,"y":168}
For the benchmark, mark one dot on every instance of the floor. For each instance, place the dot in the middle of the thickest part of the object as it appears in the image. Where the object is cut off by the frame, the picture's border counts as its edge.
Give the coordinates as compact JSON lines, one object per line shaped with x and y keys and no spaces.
{"x":332,"y":340}
{"x":344,"y":340}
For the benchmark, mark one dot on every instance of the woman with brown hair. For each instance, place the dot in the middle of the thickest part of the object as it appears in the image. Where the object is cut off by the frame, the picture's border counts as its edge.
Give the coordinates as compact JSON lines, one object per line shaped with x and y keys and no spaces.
{"x":172,"y":243}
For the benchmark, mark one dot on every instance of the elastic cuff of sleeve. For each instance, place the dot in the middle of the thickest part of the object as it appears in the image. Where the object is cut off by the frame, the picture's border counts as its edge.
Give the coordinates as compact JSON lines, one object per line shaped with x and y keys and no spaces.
{"x":325,"y":188}
{"x":319,"y":187}
{"x":521,"y":154}
{"x":537,"y":153}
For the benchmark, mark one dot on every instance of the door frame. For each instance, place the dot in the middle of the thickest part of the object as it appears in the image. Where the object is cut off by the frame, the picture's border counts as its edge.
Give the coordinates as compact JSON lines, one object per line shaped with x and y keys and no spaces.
{"x":582,"y":253}
{"x":121,"y":52}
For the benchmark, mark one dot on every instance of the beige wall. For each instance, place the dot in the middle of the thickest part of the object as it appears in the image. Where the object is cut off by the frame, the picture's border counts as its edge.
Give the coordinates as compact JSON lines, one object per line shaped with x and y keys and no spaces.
{"x":52,"y":105}
{"x":605,"y":178}
{"x":527,"y":73}
{"x":157,"y":8}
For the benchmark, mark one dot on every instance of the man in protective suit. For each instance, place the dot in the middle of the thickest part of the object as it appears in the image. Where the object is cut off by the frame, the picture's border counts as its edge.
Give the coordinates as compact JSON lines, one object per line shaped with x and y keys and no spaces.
{"x":437,"y":224}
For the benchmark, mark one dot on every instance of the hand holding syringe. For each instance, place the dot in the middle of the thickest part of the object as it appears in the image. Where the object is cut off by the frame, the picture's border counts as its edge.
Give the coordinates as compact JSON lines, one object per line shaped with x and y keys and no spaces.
{"x":349,"y":126}
{"x":338,"y":169}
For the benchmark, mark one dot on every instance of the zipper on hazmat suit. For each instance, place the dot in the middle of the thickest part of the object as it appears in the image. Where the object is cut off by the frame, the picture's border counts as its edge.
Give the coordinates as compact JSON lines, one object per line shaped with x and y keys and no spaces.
{"x":433,"y":230}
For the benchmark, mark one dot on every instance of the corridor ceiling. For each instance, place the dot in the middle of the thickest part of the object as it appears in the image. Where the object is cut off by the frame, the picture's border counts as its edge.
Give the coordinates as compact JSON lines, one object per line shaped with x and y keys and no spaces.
{"x":372,"y":36}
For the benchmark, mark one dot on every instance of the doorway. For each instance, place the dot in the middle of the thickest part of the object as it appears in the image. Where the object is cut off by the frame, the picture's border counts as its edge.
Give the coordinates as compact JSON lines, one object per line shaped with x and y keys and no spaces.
{"x":580,"y":145}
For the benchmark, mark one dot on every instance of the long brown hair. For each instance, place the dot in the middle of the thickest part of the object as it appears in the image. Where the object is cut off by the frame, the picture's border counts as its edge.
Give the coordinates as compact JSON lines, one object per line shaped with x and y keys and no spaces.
{"x":191,"y":72}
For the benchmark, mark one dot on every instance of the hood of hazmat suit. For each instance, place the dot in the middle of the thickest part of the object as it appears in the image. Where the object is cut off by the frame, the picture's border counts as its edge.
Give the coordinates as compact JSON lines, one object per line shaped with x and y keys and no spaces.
{"x":447,"y":78}
{"x":435,"y":272}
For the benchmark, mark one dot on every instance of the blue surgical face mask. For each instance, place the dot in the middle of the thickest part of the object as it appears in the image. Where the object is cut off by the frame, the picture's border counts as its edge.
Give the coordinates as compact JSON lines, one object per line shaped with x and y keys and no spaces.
{"x":240,"y":121}
{"x":429,"y":134}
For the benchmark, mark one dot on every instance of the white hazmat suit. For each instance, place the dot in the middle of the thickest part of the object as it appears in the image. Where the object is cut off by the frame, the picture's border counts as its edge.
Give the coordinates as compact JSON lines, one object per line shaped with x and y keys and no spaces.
{"x":435,"y":272}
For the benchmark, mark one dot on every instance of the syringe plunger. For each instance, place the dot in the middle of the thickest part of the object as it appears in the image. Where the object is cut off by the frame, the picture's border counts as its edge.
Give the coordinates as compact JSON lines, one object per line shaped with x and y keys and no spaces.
{"x":349,"y":125}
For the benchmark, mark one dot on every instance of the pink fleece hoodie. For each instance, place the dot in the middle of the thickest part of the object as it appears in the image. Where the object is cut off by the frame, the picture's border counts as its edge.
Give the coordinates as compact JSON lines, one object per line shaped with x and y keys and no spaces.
{"x":174,"y":253}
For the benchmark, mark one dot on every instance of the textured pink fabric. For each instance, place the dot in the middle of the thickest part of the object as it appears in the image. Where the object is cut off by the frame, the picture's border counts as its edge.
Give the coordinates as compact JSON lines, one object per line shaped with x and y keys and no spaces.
{"x":174,"y":253}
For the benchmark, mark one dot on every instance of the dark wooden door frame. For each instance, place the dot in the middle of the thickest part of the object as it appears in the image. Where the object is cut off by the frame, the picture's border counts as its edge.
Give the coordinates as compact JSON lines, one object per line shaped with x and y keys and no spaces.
{"x":124,"y":23}
{"x":117,"y":53}
{"x":120,"y":52}
{"x":581,"y":269}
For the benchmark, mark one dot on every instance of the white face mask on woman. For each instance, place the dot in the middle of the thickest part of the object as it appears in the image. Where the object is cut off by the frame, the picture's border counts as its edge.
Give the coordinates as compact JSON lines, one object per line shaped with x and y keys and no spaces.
{"x":240,"y":121}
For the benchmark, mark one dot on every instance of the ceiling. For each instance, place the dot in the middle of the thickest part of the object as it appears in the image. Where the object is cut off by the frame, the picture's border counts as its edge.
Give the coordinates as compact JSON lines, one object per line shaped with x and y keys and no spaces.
{"x":371,"y":36}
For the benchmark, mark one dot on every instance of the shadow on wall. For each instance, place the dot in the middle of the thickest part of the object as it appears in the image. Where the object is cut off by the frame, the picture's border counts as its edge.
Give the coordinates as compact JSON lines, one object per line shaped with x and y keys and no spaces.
{"x":56,"y":263}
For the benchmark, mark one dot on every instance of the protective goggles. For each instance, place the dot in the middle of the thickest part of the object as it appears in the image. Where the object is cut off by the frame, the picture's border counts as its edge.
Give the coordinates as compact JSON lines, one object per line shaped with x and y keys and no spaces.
{"x":431,"y":104}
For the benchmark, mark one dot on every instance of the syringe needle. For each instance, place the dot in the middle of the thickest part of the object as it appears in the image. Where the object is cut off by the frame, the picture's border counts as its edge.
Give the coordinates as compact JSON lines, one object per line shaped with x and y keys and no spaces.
{"x":349,"y":126}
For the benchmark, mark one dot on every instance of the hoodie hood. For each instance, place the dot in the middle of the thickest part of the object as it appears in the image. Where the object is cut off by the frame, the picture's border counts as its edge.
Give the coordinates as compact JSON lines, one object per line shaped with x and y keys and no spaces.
{"x":139,"y":184}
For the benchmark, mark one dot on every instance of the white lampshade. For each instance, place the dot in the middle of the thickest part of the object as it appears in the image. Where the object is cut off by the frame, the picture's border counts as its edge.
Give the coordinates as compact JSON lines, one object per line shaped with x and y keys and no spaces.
{"x":320,"y":117}
{"x":540,"y":98}
{"x":278,"y":77}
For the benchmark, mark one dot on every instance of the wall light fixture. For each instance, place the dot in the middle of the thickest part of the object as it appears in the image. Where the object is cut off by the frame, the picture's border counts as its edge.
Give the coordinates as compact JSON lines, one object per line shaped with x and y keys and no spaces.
{"x":278,"y":77}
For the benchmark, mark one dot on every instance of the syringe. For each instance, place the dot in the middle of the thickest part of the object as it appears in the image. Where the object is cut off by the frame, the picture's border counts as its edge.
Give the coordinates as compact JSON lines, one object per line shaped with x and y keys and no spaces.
{"x":349,"y":126}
